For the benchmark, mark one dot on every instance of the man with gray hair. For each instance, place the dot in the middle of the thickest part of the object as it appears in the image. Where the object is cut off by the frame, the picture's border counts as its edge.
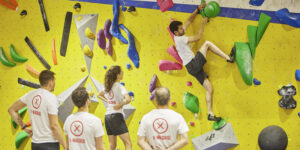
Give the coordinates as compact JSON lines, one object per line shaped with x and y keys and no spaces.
{"x":160,"y":128}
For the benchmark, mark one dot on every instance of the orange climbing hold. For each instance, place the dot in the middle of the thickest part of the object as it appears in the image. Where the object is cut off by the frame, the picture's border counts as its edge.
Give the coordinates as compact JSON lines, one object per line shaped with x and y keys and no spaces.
{"x":12,"y":4}
{"x":32,"y":70}
{"x":54,"y":52}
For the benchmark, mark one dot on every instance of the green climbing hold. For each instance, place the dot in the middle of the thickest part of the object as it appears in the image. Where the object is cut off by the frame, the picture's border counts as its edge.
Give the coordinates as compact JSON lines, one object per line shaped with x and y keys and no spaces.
{"x":244,"y":61}
{"x":219,"y":125}
{"x":20,"y":112}
{"x":191,"y":102}
{"x":4,"y":60}
{"x":212,"y":9}
{"x":20,"y":138}
{"x":263,"y":23}
{"x":15,"y":56}
{"x":252,"y":39}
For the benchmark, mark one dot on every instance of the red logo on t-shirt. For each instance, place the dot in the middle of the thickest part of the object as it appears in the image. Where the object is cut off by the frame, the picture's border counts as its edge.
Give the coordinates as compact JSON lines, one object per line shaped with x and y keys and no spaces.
{"x":110,"y":95}
{"x":76,"y":128}
{"x":36,"y":101}
{"x":160,"y":125}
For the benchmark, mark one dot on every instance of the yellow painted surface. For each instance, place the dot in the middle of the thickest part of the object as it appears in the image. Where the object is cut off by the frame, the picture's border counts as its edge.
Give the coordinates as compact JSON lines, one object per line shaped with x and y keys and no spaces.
{"x":248,"y":108}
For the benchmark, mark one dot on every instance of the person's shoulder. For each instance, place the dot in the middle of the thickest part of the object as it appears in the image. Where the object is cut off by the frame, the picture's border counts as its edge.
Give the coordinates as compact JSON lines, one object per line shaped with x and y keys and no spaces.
{"x":93,"y":117}
{"x":172,"y":112}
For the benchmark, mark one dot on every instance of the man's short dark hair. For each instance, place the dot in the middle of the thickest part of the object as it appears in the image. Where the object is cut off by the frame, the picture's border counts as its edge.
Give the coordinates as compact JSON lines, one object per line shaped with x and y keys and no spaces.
{"x":174,"y":26}
{"x":45,"y":77}
{"x":162,"y":95}
{"x":80,"y":96}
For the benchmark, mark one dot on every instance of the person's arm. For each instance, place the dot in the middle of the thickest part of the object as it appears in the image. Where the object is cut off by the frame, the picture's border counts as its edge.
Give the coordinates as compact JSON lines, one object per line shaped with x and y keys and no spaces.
{"x":192,"y":16}
{"x":143,"y":144}
{"x":200,"y":32}
{"x":101,"y":96}
{"x":184,"y":140}
{"x":13,"y":111}
{"x":67,"y":143}
{"x":99,"y":143}
{"x":55,"y":128}
{"x":126,"y":100}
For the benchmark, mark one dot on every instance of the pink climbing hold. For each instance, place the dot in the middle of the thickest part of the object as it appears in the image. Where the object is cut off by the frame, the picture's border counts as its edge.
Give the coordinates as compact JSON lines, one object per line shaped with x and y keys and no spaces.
{"x":172,"y":51}
{"x":169,"y":65}
{"x":189,"y":83}
{"x":192,"y":124}
{"x":101,"y":39}
{"x":152,"y":84}
{"x":173,"y":103}
{"x":109,"y":48}
{"x":172,"y":35}
{"x":165,"y":4}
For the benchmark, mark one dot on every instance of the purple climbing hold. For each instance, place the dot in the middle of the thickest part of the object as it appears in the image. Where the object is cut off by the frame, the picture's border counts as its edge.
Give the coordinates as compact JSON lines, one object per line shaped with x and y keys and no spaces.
{"x":101,"y":39}
{"x":106,"y":29}
{"x":152,"y":84}
{"x":109,"y":48}
{"x":256,"y":2}
{"x":286,"y":17}
{"x":152,"y":95}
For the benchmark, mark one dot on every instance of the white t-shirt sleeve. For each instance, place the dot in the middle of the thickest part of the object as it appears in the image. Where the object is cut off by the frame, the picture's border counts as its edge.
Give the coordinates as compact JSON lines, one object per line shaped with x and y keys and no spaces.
{"x":98,"y":128}
{"x":24,"y":98}
{"x":142,"y":128}
{"x":183,"y":39}
{"x":183,"y":127}
{"x":123,"y":90}
{"x":52,"y":107}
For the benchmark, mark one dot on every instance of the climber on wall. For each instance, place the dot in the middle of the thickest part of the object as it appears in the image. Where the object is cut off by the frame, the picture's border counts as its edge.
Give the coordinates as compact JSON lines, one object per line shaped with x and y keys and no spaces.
{"x":160,"y":128}
{"x":116,"y":96}
{"x":43,"y":108}
{"x":194,"y":64}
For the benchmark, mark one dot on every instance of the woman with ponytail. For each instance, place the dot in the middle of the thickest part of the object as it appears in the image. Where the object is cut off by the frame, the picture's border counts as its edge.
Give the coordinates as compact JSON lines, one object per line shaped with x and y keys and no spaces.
{"x":116,"y":96}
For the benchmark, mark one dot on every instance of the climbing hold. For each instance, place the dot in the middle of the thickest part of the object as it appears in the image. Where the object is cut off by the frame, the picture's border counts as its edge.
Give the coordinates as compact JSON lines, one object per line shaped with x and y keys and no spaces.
{"x":263,"y":23}
{"x":212,"y":9}
{"x":47,"y":28}
{"x":287,"y":101}
{"x":101,"y":39}
{"x":54,"y":58}
{"x":66,"y":33}
{"x":256,"y":2}
{"x":124,"y":8}
{"x":172,"y":51}
{"x":79,"y":18}
{"x":105,"y":67}
{"x":131,"y":52}
{"x":87,"y":51}
{"x":28,"y":83}
{"x":165,"y":4}
{"x":131,"y":8}
{"x":286,"y":17}
{"x":273,"y":138}
{"x":172,"y":35}
{"x":4,"y":60}
{"x":130,"y":94}
{"x":106,"y":29}
{"x":299,"y":114}
{"x":128,"y":66}
{"x":189,"y":83}
{"x":109,"y":48}
{"x":15,"y":56}
{"x":152,"y":84}
{"x":21,"y":136}
{"x":91,"y":93}
{"x":252,"y":30}
{"x":32,"y":70}
{"x":77,"y":7}
{"x":88,"y":33}
{"x":297,"y":75}
{"x":152,"y":96}
{"x":114,"y":28}
{"x":21,"y":113}
{"x":256,"y":82}
{"x":244,"y":61}
{"x":219,"y":125}
{"x":82,"y":68}
{"x":23,"y":13}
{"x":192,"y":124}
{"x":122,"y":83}
{"x":173,"y":103}
{"x":191,"y":102}
{"x":11,"y":5}
{"x":169,"y":65}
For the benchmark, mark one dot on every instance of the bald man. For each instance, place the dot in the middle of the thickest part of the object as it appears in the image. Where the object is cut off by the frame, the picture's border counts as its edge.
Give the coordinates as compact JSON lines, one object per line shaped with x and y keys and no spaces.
{"x":160,"y":128}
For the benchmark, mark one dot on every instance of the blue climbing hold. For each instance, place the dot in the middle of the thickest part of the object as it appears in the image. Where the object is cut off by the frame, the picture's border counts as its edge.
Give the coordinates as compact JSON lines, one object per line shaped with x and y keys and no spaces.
{"x":124,"y":8}
{"x":131,"y":52}
{"x":256,"y":82}
{"x":104,"y":67}
{"x":297,"y":75}
{"x":128,"y":66}
{"x":286,"y":17}
{"x":122,"y":83}
{"x":299,"y":114}
{"x":131,"y":94}
{"x":114,"y":28}
{"x":256,"y":2}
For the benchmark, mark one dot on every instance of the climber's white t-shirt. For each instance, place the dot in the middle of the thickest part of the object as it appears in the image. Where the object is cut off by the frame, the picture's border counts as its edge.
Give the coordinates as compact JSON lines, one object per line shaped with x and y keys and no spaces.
{"x":161,"y":127}
{"x":82,"y":128}
{"x":184,"y":49}
{"x":114,"y":97}
{"x":40,"y":103}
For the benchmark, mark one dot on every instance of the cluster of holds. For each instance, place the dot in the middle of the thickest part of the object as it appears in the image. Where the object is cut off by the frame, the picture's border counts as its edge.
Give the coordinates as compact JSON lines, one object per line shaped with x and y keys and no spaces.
{"x":152,"y":86}
{"x":14,"y":55}
{"x":287,"y":101}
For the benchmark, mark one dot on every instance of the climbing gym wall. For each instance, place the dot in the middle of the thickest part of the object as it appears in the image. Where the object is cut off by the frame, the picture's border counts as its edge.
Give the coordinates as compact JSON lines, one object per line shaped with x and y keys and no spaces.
{"x":248,"y":108}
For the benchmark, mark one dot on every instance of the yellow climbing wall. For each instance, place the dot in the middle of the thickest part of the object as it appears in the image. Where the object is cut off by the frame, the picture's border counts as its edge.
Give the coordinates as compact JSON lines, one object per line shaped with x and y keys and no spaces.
{"x":248,"y":108}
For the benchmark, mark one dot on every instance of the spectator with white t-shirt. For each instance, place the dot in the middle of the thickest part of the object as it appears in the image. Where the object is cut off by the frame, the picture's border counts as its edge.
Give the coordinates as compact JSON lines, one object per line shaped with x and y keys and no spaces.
{"x":83,"y":130}
{"x":43,"y":108}
{"x":160,"y":128}
{"x":116,"y":96}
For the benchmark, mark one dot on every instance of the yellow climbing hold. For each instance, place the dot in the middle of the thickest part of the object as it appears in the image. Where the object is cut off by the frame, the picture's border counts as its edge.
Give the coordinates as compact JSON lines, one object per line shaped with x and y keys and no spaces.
{"x":79,"y":18}
{"x":83,"y":68}
{"x":87,"y":51}
{"x":91,"y":93}
{"x":89,"y":33}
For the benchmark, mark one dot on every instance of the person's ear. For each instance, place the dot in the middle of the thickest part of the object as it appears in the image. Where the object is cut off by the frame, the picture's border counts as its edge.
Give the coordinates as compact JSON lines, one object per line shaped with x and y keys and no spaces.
{"x":175,"y":32}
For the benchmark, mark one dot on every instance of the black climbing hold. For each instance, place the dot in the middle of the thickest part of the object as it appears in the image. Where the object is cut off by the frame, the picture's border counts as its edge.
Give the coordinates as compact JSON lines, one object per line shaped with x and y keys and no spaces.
{"x":23,"y":13}
{"x":77,"y":6}
{"x":131,"y":8}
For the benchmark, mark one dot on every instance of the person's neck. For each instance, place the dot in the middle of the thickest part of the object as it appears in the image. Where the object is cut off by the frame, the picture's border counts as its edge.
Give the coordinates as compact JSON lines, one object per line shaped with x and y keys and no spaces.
{"x":47,"y":88}
{"x":83,"y":109}
{"x":118,"y":80}
{"x":162,"y":106}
